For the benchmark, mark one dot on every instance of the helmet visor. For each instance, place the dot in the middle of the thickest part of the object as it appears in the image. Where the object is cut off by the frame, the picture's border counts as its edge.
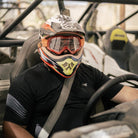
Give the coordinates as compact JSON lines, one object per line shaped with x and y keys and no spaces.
{"x":59,"y":44}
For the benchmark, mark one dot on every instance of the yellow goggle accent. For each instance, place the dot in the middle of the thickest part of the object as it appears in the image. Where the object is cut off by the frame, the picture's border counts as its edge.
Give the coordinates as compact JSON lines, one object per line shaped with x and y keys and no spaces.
{"x":67,"y":65}
{"x":118,"y":34}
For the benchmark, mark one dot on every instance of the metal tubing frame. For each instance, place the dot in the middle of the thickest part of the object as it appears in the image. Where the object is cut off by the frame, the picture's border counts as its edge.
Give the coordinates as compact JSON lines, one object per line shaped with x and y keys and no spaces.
{"x":85,"y":12}
{"x":127,"y":18}
{"x":89,"y":33}
{"x":61,"y":6}
{"x":94,"y":6}
{"x":12,"y":43}
{"x":8,"y":8}
{"x":20,"y":18}
{"x":112,"y":1}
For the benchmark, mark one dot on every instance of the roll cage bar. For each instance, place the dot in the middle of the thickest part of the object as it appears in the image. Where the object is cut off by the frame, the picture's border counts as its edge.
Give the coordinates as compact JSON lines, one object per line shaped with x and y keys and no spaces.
{"x":112,"y":1}
{"x":93,"y":7}
{"x":8,"y":42}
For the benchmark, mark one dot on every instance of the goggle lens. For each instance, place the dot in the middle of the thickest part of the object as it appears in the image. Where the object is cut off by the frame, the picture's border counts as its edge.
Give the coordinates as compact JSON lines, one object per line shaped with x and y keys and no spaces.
{"x":58,"y":44}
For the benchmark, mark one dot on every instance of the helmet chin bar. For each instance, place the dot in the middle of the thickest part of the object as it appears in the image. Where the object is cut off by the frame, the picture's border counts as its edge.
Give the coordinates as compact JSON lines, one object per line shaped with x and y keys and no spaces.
{"x":57,"y":70}
{"x":65,"y":75}
{"x":64,"y":65}
{"x":68,"y":66}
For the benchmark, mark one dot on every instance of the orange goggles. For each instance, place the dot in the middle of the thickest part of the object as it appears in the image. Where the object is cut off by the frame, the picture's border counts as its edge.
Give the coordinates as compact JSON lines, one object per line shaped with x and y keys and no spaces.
{"x":59,"y":44}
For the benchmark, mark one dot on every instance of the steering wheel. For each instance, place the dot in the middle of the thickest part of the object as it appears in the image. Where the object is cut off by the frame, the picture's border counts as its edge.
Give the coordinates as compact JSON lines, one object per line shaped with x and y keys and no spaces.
{"x":94,"y":98}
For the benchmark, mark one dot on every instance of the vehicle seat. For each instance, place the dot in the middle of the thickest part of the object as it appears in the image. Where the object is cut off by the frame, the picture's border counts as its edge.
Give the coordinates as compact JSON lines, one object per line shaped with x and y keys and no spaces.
{"x":27,"y":57}
{"x":117,"y":45}
{"x":133,"y":63}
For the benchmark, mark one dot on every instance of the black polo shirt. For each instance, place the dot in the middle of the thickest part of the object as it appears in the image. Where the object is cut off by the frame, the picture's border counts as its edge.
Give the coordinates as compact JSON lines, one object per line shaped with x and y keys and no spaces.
{"x":33,"y":95}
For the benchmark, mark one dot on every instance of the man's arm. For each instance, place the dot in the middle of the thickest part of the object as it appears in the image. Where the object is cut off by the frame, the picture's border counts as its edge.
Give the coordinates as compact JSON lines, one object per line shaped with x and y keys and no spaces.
{"x":12,"y":130}
{"x":126,"y":94}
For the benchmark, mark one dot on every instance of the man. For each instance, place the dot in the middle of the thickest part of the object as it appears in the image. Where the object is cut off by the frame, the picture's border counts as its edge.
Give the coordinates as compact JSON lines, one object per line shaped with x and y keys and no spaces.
{"x":34,"y":93}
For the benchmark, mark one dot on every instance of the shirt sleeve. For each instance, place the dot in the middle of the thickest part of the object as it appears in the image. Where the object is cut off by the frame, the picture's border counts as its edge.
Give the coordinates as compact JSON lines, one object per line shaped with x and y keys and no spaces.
{"x":19,"y":103}
{"x":100,"y":79}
